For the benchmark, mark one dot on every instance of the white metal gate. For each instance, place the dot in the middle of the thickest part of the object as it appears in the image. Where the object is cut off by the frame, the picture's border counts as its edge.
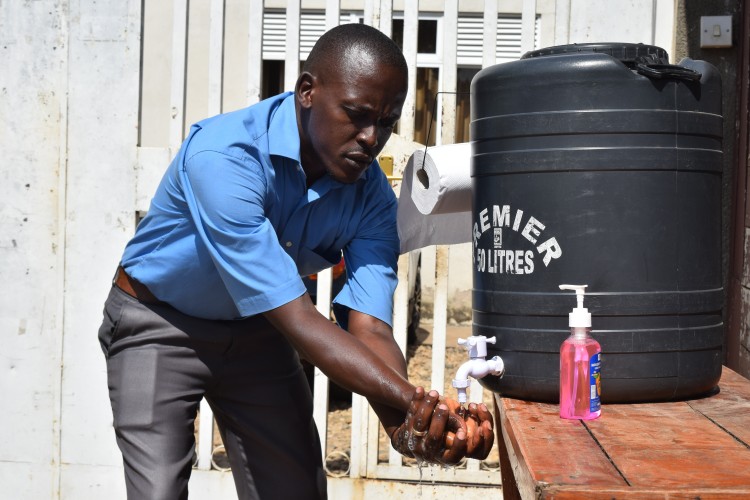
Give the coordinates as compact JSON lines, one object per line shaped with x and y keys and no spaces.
{"x":474,"y":38}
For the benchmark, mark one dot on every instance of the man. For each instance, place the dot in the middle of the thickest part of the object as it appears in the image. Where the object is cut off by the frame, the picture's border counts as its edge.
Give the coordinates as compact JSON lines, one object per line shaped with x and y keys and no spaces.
{"x":208,"y":299}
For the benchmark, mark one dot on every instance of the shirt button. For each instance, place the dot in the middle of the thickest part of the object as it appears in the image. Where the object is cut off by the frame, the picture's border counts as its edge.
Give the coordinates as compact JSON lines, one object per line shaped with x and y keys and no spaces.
{"x":288,"y":244}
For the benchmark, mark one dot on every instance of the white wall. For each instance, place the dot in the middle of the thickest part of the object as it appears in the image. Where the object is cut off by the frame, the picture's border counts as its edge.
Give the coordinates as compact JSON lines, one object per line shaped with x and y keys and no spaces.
{"x":32,"y":141}
{"x":632,"y":21}
{"x":102,"y":119}
{"x":68,"y":99}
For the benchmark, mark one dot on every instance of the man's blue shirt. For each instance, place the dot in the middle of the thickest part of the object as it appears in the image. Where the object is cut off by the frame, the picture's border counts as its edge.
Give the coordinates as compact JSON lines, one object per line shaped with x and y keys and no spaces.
{"x":233,"y":227}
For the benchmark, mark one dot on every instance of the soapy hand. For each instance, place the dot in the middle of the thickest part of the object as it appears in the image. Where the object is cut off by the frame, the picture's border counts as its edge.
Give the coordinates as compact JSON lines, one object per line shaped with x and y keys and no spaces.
{"x":479,"y":428}
{"x":431,"y":432}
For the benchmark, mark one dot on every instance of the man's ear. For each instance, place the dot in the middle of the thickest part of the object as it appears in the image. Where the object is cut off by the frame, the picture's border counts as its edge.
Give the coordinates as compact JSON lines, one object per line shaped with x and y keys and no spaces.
{"x":303,"y":90}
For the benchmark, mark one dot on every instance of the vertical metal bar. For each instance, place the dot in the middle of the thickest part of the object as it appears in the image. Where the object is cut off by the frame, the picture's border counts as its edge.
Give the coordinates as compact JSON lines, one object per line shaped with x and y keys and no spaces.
{"x":360,"y":456}
{"x":665,"y":17}
{"x":476,"y":393}
{"x":205,"y":436}
{"x":562,"y":22}
{"x":333,"y":13}
{"x":215,"y":56}
{"x":323,"y":293}
{"x":449,"y":73}
{"x":177,"y":86}
{"x":489,"y":46}
{"x":371,"y":12}
{"x":255,"y":52}
{"x":215,"y":79}
{"x":320,"y":387}
{"x":411,"y":22}
{"x":291,"y":61}
{"x":370,"y":433}
{"x":528,"y":25}
{"x":440,"y":317}
{"x":386,"y":17}
{"x":58,"y":309}
{"x":401,"y":303}
{"x":400,"y":318}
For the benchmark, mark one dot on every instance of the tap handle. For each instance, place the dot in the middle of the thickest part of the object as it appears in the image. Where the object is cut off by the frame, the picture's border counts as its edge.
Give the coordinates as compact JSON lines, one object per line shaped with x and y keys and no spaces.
{"x":477,"y":345}
{"x":476,"y":339}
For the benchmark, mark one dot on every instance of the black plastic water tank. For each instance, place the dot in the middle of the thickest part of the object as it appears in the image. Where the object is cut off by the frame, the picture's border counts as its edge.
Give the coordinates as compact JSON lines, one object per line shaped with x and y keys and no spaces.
{"x":599,"y":164}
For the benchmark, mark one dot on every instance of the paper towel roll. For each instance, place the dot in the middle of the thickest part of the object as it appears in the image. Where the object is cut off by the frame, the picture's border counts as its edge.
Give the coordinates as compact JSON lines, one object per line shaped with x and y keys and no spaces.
{"x":444,"y":185}
{"x":446,"y":199}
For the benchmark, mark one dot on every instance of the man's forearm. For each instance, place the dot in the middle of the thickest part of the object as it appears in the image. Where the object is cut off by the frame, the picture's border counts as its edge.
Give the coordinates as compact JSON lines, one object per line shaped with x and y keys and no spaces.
{"x":346,"y":359}
{"x":379,"y":338}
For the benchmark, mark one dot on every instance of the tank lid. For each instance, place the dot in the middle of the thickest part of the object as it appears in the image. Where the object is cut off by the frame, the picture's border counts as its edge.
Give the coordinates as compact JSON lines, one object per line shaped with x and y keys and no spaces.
{"x":625,"y":52}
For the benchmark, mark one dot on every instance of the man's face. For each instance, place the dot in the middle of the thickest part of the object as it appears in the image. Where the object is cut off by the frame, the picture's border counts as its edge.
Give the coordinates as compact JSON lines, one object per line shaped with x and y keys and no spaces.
{"x":352,"y":112}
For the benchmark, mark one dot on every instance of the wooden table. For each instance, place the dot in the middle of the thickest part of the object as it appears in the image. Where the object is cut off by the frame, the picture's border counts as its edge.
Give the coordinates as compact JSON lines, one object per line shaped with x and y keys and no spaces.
{"x":679,"y":450}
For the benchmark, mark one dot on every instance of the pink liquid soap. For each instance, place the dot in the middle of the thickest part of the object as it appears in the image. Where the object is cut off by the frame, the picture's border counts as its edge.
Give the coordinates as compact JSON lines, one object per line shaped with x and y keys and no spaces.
{"x":580,"y":378}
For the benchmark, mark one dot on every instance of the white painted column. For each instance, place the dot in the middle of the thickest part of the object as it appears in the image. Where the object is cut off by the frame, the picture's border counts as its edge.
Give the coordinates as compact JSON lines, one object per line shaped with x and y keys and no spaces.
{"x":291,"y":61}
{"x":489,"y":48}
{"x":528,"y":25}
{"x":562,"y":22}
{"x":102,"y":120}
{"x":179,"y":67}
{"x":34,"y":108}
{"x":255,"y":52}
{"x":449,"y":73}
{"x":411,"y":19}
{"x":333,"y":14}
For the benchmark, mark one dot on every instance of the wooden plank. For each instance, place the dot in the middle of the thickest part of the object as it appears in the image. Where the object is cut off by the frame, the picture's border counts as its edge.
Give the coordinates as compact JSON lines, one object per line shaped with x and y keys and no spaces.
{"x":730,"y":408}
{"x":509,"y":484}
{"x":670,"y":445}
{"x":577,"y":493}
{"x":551,"y":450}
{"x":674,"y":450}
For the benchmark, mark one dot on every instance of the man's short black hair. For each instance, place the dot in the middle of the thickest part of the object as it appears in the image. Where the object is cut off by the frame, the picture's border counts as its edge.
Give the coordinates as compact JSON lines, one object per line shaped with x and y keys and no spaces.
{"x":331,"y":48}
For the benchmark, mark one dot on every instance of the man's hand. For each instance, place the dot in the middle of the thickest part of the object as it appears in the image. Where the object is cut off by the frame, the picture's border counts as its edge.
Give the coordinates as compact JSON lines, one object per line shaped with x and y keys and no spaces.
{"x":479,"y":428}
{"x":424,"y":433}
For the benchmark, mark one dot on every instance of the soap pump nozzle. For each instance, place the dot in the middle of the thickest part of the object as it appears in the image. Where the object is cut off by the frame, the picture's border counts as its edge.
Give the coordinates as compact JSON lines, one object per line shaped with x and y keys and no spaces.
{"x":580,"y":317}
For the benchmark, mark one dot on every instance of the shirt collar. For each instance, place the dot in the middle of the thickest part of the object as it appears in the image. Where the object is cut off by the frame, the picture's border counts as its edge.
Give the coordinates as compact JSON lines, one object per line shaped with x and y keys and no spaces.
{"x":280,"y":141}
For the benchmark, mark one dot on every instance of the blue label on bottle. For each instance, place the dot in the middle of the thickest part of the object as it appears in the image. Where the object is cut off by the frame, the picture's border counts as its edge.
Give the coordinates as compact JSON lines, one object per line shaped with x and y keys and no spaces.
{"x":595,"y":382}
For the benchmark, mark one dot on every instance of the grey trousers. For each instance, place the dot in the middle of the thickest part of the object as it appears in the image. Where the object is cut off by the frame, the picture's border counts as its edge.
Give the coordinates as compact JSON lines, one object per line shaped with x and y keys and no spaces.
{"x":160,"y":363}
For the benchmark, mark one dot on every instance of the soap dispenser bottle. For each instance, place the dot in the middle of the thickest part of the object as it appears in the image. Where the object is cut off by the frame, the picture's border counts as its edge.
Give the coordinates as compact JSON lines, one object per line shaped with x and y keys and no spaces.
{"x":580,"y":364}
